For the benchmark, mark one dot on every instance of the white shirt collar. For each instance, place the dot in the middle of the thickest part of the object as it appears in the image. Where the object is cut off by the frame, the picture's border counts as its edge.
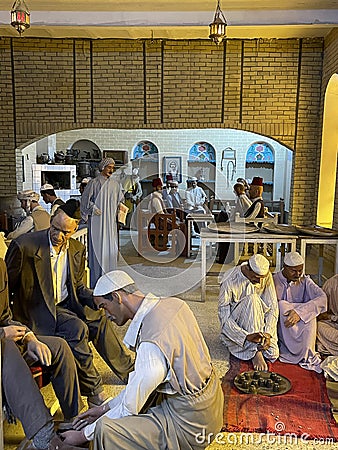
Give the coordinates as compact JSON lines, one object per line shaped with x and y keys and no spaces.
{"x":147,"y":305}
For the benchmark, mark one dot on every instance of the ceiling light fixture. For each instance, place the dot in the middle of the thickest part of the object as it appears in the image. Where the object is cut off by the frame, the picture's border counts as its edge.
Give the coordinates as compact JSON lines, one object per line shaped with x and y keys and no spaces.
{"x":218,"y":26}
{"x":20,"y":16}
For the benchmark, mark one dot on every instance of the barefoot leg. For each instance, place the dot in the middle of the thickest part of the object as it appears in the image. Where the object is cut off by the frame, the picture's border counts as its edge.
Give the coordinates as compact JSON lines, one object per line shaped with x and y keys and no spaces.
{"x":258,"y":362}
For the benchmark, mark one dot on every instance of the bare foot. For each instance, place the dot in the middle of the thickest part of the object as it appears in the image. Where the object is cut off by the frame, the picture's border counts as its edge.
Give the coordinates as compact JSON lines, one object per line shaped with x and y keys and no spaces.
{"x":258,"y":362}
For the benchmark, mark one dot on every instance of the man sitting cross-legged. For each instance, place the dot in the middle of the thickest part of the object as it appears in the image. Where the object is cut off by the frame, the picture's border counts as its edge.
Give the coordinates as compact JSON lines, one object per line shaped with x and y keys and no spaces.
{"x":300,"y":301}
{"x":248,"y":312}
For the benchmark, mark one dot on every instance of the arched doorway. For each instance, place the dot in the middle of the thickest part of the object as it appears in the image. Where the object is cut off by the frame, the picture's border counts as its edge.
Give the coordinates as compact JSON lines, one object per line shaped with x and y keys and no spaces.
{"x":84,"y":149}
{"x":328,"y":163}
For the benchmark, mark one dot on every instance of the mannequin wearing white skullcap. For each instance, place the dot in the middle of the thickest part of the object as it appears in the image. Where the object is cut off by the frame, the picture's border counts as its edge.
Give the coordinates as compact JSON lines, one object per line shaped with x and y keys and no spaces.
{"x":248,"y":312}
{"x":300,"y":301}
{"x":37,"y":217}
{"x":165,"y":361}
{"x":99,"y":206}
{"x":195,"y":197}
{"x":259,"y":264}
{"x":49,"y":197}
{"x":293,"y":259}
{"x":83,"y":184}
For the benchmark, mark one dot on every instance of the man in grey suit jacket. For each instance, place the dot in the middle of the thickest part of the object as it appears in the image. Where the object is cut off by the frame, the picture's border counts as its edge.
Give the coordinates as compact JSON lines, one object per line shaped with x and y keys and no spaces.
{"x":45,"y":272}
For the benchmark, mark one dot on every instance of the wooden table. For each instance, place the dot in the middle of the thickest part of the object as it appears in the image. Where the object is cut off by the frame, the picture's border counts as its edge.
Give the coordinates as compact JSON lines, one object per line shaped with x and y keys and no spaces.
{"x":321,"y":241}
{"x":208,"y":237}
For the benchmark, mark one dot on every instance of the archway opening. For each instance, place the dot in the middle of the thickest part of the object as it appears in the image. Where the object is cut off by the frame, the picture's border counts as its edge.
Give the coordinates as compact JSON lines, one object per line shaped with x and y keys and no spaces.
{"x":328,"y":163}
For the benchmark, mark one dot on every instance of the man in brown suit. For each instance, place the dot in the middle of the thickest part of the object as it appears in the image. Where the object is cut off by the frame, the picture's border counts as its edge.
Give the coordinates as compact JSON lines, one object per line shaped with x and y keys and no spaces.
{"x":45,"y":271}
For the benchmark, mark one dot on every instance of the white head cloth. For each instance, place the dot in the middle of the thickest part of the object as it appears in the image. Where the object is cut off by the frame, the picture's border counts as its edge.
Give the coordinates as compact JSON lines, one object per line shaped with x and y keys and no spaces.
{"x":293,"y":259}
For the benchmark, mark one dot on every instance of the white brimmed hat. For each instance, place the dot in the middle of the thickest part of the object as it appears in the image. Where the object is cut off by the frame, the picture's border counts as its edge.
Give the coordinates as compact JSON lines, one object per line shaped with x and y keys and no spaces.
{"x":259,"y":264}
{"x":293,"y":259}
{"x":112,"y":281}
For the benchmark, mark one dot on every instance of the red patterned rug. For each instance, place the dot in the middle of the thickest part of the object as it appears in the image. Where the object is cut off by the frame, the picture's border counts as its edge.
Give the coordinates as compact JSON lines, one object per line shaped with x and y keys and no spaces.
{"x":303,"y":411}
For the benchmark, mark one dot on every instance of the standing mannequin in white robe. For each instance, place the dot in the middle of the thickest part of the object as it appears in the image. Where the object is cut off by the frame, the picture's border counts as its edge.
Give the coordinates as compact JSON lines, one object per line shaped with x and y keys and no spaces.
{"x":300,"y":301}
{"x":99,"y":202}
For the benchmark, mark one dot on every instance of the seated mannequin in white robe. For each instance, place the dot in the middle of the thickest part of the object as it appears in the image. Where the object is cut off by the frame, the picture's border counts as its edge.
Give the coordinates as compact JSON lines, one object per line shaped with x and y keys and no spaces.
{"x":327,"y":325}
{"x":300,"y":301}
{"x":248,"y":312}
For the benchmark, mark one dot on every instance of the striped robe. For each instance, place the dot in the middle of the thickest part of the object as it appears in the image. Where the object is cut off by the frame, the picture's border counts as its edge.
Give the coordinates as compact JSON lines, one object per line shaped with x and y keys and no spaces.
{"x":245,"y":308}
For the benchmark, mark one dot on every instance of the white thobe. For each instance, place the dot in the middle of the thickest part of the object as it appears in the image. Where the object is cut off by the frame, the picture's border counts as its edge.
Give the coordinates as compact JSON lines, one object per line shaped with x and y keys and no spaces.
{"x":103,"y":194}
{"x":297,"y":343}
{"x":195,"y":198}
{"x":327,"y":330}
{"x":246,"y":308}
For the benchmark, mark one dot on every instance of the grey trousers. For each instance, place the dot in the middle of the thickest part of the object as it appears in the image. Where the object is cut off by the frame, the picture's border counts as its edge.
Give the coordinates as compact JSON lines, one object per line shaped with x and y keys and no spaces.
{"x":110,"y":347}
{"x":78,"y":334}
{"x":21,"y":392}
{"x":180,"y":422}
{"x":23,"y":395}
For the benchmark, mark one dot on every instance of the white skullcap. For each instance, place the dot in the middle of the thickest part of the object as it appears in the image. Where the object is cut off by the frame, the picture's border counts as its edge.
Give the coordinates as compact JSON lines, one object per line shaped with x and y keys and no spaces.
{"x":28,"y":195}
{"x":293,"y":259}
{"x":105,"y":162}
{"x":47,"y":187}
{"x":85,"y":180}
{"x":193,"y":179}
{"x":112,"y":281}
{"x":135,"y":171}
{"x":259,"y":264}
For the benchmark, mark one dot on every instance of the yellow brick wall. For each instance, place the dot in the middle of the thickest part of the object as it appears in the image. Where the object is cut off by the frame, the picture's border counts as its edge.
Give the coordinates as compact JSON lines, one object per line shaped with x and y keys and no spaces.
{"x":271,"y":87}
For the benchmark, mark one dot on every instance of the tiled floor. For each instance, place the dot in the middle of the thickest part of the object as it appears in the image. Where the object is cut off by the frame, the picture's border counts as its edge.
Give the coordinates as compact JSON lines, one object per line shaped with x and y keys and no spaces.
{"x":206,"y":314}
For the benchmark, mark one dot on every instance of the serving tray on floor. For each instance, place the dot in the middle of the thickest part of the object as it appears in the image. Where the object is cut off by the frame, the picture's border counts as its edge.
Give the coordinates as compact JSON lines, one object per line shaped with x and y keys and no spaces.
{"x":262,"y":383}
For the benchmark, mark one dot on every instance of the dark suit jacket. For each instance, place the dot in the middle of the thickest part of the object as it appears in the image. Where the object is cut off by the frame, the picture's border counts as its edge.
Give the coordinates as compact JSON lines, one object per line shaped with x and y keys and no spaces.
{"x":31,"y":286}
{"x":5,"y":312}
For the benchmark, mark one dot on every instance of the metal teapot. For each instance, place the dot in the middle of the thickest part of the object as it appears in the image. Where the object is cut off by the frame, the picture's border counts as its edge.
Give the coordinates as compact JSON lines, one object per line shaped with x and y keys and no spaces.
{"x":43,"y":158}
{"x":59,"y":157}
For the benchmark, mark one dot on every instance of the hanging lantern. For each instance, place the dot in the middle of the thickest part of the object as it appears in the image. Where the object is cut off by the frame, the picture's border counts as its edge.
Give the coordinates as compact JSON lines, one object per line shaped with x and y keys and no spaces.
{"x":20,"y":16}
{"x":218,"y":26}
